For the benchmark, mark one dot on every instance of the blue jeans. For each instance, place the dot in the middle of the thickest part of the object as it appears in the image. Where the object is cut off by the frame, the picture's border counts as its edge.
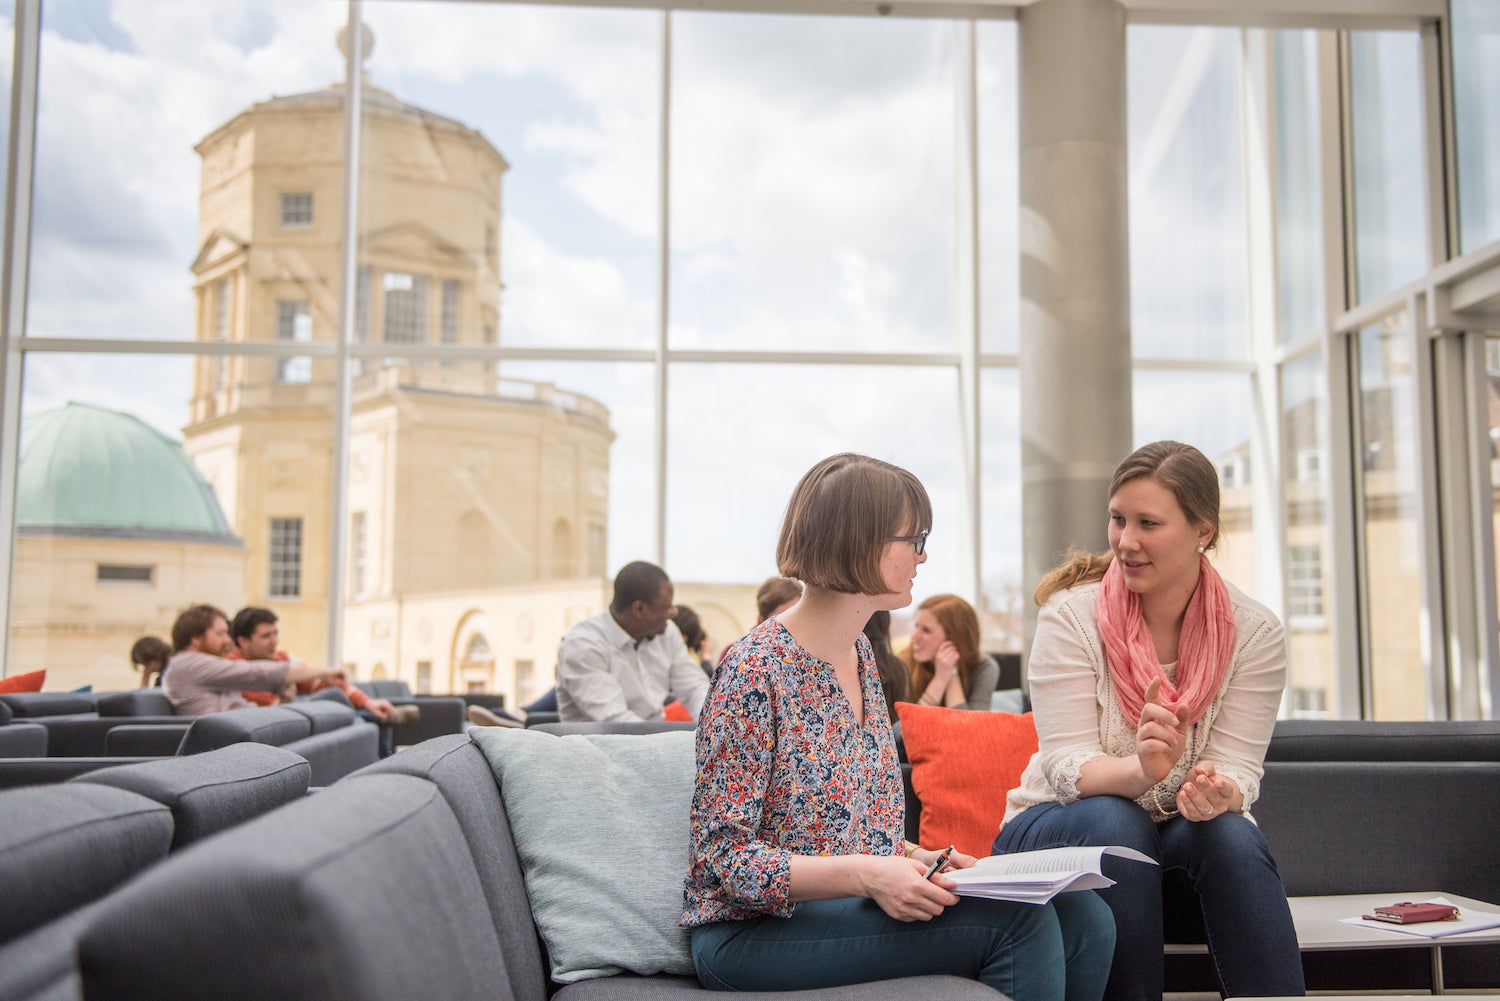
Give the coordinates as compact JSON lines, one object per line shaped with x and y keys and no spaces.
{"x":1217,"y":884}
{"x":1054,"y":952}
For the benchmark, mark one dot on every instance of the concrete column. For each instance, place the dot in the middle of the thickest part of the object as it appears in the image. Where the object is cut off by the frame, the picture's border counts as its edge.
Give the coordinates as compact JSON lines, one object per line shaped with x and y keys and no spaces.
{"x":1075,"y":274}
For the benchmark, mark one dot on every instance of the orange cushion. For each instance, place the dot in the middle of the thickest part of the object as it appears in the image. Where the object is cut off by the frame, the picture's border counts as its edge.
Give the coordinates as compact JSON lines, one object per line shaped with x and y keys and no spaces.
{"x":962,"y":765}
{"x":676,"y":712}
{"x":29,"y":682}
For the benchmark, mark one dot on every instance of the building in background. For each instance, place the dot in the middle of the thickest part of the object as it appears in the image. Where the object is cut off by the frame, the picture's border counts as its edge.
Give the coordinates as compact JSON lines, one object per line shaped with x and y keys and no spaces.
{"x":116,"y":532}
{"x":478,"y":505}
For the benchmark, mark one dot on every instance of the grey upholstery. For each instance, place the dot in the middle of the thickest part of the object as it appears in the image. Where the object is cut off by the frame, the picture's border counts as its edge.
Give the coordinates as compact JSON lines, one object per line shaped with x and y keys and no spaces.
{"x":1366,"y":740}
{"x":139,"y":702}
{"x":47,"y":703}
{"x":148,"y":740}
{"x":211,"y":792}
{"x":270,"y":725}
{"x":86,"y":736}
{"x":355,"y":893}
{"x":61,"y":849}
{"x":336,"y":753}
{"x":323,"y":715}
{"x":464,"y":778}
{"x":19,"y":772}
{"x":23,"y":740}
{"x":48,"y":832}
{"x":1386,"y":822}
{"x":441,"y":714}
{"x":5,"y":714}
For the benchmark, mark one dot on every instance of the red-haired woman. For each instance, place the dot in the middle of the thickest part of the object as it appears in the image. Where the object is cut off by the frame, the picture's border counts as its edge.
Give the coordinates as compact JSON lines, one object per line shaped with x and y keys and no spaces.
{"x":947,"y":668}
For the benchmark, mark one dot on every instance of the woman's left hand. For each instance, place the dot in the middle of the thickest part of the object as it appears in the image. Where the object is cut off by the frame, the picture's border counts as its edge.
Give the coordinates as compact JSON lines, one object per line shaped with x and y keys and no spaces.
{"x":1205,"y":794}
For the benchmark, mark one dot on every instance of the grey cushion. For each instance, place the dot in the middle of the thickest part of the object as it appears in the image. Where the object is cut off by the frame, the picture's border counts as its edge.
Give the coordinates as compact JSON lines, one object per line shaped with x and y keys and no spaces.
{"x":270,"y":725}
{"x":210,"y":792}
{"x":23,"y":740}
{"x":464,"y":778}
{"x":160,"y":740}
{"x":340,"y":752}
{"x":323,"y":715}
{"x":47,"y":703}
{"x":626,"y":987}
{"x":1390,"y":825}
{"x":360,"y":892}
{"x":1369,"y":740}
{"x":601,"y":828}
{"x":5,"y":713}
{"x":63,"y":846}
{"x":141,"y":702}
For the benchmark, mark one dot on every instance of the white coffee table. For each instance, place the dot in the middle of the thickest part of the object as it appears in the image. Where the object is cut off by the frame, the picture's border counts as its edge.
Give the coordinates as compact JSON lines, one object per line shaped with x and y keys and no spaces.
{"x":1318,"y":921}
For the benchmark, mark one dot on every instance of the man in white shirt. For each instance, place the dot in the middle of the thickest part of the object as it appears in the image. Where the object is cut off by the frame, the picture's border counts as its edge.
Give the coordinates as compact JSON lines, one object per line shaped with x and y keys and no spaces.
{"x":623,"y":663}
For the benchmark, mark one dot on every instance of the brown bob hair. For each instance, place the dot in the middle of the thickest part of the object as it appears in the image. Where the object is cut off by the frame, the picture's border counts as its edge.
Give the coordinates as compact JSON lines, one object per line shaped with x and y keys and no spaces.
{"x":1181,"y":469}
{"x":841,"y":515}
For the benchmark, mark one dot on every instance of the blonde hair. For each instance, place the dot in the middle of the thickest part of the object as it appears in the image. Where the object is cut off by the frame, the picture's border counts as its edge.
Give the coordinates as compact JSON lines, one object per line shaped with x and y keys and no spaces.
{"x":841,"y":515}
{"x":960,"y":625}
{"x":1183,"y":470}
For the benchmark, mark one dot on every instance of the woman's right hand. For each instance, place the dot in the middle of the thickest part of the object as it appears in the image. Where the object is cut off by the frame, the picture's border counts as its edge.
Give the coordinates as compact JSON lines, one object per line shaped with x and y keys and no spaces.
{"x":945,"y":660}
{"x":897,"y":885}
{"x":1161,"y":736}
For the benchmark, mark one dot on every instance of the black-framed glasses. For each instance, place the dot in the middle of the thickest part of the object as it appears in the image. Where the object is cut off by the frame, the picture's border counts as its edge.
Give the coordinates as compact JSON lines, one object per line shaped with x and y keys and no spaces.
{"x":919,"y":541}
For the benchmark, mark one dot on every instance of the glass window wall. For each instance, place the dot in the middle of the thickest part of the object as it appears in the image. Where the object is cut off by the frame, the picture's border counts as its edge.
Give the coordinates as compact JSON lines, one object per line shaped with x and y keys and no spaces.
{"x":1298,"y":179}
{"x":1476,"y":108}
{"x":1389,"y":538}
{"x":1187,"y":200}
{"x":1390,"y":202}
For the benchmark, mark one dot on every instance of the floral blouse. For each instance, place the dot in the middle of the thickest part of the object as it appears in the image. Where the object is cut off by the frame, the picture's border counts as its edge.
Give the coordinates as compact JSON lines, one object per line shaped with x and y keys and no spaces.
{"x":783,"y":770}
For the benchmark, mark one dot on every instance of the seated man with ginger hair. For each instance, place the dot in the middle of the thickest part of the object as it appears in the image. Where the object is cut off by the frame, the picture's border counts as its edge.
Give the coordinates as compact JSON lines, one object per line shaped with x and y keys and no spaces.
{"x":201,"y":678}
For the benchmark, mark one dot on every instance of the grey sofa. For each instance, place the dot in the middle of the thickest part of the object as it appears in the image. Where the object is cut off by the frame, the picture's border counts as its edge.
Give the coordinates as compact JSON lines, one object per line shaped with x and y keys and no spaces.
{"x":332,"y":739}
{"x":1373,"y":807}
{"x":401,"y":881}
{"x":1369,"y":807}
{"x":65,"y":847}
{"x":441,"y":714}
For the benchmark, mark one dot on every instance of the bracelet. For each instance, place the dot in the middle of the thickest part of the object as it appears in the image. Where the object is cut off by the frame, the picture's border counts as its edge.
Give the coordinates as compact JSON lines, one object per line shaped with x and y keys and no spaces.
{"x":910,"y":849}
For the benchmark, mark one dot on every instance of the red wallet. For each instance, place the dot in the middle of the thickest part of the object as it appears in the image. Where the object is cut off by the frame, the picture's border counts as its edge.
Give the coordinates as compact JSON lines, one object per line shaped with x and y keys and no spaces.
{"x":1408,"y":913}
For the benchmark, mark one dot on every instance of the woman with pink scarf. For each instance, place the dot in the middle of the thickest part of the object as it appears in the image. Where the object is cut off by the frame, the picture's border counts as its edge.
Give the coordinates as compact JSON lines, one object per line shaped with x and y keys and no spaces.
{"x":1155,"y":686}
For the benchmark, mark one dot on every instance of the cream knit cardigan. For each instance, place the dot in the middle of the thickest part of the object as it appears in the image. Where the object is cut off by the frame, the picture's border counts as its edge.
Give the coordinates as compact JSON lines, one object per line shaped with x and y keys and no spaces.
{"x":1078,"y":717}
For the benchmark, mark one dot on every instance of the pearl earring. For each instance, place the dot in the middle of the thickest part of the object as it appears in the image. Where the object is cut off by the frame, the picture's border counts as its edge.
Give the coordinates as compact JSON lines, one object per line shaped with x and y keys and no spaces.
{"x":1200,"y":550}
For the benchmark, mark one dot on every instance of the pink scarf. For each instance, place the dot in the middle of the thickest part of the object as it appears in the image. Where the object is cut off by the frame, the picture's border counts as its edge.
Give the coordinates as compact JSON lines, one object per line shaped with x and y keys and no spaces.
{"x":1203,"y":649}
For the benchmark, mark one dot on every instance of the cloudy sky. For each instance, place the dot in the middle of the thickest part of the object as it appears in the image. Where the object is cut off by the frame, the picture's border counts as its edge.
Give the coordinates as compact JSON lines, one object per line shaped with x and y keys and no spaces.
{"x":812,"y":207}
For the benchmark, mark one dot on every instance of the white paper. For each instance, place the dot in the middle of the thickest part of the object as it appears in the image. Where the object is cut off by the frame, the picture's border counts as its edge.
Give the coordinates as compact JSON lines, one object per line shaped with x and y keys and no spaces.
{"x":1469,"y":920}
{"x":1036,"y":877}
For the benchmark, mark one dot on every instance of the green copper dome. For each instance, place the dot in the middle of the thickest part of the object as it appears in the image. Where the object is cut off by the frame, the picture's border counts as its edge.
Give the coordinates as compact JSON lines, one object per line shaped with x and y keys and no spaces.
{"x":85,"y":470}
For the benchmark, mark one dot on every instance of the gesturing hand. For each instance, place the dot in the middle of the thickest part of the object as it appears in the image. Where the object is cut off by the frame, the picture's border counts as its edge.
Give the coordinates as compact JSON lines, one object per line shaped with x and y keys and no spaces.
{"x":1205,"y":794}
{"x":897,"y":886}
{"x":1161,"y":735}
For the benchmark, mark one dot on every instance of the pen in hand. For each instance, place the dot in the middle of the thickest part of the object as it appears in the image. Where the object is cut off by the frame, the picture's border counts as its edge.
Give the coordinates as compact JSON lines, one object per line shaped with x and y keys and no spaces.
{"x":938,"y":863}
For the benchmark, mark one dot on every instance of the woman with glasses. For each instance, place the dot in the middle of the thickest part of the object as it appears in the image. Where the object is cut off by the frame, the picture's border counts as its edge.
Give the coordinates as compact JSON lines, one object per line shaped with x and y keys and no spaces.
{"x":1155,"y":686}
{"x":946,"y":666}
{"x":798,"y":876}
